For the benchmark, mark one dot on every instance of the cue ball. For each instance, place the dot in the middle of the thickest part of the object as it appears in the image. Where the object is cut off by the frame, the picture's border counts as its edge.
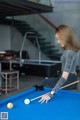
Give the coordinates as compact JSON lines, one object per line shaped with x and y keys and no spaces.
{"x":26,"y":101}
{"x":10,"y":105}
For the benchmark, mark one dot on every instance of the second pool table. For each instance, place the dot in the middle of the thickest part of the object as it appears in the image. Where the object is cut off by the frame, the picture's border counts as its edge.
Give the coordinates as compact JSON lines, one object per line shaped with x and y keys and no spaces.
{"x":64,"y":106}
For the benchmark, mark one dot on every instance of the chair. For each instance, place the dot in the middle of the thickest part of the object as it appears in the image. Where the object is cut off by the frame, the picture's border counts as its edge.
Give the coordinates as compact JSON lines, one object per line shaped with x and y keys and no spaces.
{"x":8,"y":76}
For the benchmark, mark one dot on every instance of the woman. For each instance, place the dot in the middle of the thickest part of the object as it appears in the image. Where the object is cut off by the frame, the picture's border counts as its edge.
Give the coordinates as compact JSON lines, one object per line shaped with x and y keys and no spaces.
{"x":70,"y":57}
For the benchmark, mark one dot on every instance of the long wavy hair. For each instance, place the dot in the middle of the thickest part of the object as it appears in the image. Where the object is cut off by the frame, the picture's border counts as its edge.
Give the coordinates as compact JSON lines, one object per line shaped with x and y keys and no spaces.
{"x":66,"y":34}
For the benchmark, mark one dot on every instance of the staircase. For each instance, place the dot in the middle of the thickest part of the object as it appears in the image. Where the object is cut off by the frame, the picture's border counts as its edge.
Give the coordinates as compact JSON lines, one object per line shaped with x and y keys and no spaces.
{"x":32,"y":35}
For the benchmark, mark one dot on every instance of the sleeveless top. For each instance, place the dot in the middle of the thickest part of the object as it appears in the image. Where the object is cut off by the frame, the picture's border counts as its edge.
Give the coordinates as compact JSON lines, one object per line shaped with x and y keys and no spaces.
{"x":69,"y":61}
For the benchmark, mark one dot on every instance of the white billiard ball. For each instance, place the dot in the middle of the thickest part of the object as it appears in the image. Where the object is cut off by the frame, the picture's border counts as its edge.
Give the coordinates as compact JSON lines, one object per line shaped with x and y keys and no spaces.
{"x":27,"y":101}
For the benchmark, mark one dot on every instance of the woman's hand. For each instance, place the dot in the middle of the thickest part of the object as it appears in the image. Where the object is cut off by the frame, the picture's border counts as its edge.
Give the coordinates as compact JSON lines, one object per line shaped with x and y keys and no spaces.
{"x":45,"y":98}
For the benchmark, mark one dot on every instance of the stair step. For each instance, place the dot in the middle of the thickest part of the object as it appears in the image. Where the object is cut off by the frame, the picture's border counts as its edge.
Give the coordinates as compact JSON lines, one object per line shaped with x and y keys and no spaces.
{"x":32,"y":38}
{"x":47,"y":46}
{"x":55,"y":58}
{"x":40,"y":39}
{"x":51,"y":50}
{"x":24,"y":27}
{"x":55,"y":54}
{"x":8,"y":21}
{"x":24,"y":30}
{"x":43,"y":43}
{"x":20,"y":24}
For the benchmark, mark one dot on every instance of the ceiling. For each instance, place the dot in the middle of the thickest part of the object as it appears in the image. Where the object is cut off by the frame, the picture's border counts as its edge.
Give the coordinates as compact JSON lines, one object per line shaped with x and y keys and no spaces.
{"x":21,"y":7}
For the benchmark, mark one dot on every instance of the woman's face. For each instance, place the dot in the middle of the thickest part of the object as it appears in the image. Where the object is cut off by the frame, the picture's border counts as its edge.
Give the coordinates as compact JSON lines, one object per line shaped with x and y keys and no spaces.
{"x":62,"y":44}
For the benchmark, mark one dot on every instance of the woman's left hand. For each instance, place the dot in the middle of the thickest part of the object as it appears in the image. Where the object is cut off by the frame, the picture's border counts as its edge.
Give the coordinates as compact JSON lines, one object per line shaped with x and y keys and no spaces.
{"x":45,"y":98}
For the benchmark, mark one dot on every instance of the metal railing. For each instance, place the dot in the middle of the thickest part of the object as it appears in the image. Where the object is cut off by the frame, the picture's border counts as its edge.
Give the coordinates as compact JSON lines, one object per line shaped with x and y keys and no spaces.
{"x":32,"y":34}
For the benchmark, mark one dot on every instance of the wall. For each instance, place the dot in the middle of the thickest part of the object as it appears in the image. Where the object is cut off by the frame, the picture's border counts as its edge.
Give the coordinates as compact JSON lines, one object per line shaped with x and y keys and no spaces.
{"x":5,"y":42}
{"x":66,"y":12}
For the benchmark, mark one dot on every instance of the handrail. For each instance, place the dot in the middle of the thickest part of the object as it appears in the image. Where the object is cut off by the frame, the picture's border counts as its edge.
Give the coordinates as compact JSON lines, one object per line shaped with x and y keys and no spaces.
{"x":24,"y":38}
{"x":48,"y":21}
{"x":22,"y":45}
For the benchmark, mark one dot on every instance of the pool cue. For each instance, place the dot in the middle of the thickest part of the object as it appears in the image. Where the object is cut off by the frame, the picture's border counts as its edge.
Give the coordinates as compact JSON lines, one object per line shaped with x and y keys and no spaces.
{"x":37,"y":97}
{"x":72,"y":83}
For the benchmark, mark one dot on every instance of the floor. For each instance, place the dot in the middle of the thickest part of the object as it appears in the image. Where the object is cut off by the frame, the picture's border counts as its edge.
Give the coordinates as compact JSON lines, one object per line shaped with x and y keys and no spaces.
{"x":26,"y":82}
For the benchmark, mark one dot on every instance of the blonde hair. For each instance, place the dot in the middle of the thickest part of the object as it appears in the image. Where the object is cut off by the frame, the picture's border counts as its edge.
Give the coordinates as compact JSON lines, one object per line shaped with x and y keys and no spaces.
{"x":66,"y":34}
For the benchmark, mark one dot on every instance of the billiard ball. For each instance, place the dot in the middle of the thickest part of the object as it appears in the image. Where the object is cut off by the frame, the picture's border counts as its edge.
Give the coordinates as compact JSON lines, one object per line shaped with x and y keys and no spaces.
{"x":27,"y":101}
{"x":10,"y":105}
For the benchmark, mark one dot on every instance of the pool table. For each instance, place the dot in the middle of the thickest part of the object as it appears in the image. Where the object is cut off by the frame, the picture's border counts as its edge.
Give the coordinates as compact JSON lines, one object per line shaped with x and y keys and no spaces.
{"x":44,"y":68}
{"x":64,"y":106}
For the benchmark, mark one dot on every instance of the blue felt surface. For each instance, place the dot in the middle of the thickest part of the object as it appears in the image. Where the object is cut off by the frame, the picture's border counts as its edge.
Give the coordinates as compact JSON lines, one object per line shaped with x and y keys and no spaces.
{"x":64,"y":106}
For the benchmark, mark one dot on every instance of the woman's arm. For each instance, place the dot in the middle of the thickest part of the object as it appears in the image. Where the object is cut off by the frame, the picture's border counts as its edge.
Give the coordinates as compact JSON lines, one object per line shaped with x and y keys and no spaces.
{"x":61,"y":81}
